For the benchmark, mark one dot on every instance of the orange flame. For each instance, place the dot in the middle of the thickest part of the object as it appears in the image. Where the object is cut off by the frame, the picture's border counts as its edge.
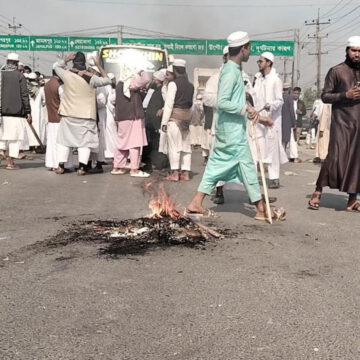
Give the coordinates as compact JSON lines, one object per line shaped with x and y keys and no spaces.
{"x":161,"y":205}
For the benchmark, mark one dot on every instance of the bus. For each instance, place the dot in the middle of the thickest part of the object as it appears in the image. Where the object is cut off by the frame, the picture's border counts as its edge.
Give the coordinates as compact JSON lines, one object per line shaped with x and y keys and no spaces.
{"x":113,"y":57}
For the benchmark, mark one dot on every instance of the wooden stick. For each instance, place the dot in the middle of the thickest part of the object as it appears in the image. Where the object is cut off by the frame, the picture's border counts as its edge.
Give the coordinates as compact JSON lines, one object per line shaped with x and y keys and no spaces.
{"x":37,"y":138}
{"x":207,"y":229}
{"x":268,"y":210}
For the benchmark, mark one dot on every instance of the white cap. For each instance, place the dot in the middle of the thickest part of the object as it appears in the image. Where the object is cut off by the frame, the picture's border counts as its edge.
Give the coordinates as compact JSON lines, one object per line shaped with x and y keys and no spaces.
{"x":90,"y":58}
{"x":160,"y":75}
{"x":13,"y":56}
{"x":94,"y":67}
{"x":353,"y":41}
{"x":179,"y":62}
{"x":238,"y":38}
{"x":226,"y":50}
{"x":26,"y":75}
{"x":286,"y":85}
{"x":111,"y":76}
{"x":268,"y":55}
{"x":32,"y":76}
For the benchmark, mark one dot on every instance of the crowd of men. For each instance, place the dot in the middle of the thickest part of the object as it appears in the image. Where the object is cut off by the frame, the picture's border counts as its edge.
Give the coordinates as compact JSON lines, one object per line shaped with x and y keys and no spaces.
{"x":134,"y":119}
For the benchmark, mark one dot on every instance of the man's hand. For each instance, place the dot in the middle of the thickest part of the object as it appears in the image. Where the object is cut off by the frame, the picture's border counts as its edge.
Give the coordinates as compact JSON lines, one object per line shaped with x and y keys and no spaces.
{"x":164,"y":128}
{"x":159,"y":112}
{"x":70,"y":57}
{"x":253,"y":115}
{"x":266,"y":121}
{"x":29,"y":118}
{"x":353,"y":93}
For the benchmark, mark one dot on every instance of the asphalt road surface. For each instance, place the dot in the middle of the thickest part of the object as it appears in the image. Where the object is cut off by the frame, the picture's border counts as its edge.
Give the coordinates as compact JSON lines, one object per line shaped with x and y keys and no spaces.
{"x":284,"y":291}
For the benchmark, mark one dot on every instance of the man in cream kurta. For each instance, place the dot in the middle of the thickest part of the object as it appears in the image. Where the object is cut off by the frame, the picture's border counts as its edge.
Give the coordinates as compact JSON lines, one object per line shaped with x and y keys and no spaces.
{"x":78,"y":111}
{"x":268,"y":100}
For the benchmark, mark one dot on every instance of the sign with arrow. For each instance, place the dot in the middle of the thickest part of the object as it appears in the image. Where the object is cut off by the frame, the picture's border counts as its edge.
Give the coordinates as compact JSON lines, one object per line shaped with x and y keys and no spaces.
{"x":48,"y":43}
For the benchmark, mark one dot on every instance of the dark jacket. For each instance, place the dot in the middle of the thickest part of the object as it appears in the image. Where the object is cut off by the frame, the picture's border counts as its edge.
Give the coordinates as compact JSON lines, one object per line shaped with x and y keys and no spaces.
{"x":184,"y":94}
{"x":125,"y":108}
{"x":14,"y":94}
{"x":288,"y":117}
{"x":301,"y":106}
{"x":155,"y":104}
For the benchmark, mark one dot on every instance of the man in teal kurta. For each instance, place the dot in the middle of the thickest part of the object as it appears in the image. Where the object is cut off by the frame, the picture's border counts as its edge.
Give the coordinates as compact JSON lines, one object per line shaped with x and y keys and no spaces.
{"x":231,"y":160}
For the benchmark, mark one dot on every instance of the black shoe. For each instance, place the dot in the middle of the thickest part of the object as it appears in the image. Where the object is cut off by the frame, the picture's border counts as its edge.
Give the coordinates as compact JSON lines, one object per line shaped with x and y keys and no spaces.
{"x":274,"y":184}
{"x":218,"y":199}
{"x":96,"y":170}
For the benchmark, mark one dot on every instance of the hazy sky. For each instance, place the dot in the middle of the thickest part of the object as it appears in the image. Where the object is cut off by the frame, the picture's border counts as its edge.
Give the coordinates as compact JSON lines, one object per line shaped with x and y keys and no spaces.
{"x":195,"y":19}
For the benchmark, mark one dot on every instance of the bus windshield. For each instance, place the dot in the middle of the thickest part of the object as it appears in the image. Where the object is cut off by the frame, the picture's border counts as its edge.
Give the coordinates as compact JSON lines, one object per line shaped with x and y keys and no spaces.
{"x":151,"y":59}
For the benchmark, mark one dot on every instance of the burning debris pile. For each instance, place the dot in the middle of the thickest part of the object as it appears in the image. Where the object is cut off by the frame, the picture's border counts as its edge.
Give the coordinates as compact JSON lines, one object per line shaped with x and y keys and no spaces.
{"x":164,"y":227}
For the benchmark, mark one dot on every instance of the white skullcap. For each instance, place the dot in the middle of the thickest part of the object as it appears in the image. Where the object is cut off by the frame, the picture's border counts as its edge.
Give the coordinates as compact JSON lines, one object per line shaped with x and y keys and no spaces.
{"x":26,"y":75}
{"x":226,"y":50}
{"x":353,"y":41}
{"x":90,"y":58}
{"x":160,"y":75}
{"x":268,"y":55}
{"x":94,"y":67}
{"x":13,"y":56}
{"x":32,"y":76}
{"x":111,"y":76}
{"x":238,"y":38}
{"x":179,"y":63}
{"x":286,"y":85}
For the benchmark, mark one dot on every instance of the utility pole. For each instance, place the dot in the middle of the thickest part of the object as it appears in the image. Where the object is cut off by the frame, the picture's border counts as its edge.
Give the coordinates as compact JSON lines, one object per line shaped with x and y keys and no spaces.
{"x":318,"y":52}
{"x":120,"y":29}
{"x":14,"y":27}
{"x":295,"y":78}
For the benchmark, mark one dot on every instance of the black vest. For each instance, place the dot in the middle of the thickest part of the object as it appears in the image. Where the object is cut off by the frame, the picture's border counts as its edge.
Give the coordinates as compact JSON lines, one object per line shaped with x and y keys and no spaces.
{"x":184,"y":93}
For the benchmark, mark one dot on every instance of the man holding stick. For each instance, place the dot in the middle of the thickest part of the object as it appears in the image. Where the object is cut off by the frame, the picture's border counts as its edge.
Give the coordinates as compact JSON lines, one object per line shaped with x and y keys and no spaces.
{"x":231,"y":159}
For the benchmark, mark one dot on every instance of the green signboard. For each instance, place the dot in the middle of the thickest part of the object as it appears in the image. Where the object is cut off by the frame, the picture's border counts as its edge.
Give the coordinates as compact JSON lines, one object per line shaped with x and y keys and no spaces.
{"x":87,"y":43}
{"x":212,"y":47}
{"x":173,"y":46}
{"x":48,"y":43}
{"x":53,"y":43}
{"x":14,"y":42}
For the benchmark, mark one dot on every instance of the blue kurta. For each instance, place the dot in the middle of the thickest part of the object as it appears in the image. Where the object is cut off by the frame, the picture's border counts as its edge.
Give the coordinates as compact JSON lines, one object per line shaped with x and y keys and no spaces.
{"x":231,"y":160}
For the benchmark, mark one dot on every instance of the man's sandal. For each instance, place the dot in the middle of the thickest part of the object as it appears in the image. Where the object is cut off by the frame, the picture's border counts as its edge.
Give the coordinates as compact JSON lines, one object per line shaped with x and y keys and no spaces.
{"x":312,"y":205}
{"x":355,"y":207}
{"x":279,"y":214}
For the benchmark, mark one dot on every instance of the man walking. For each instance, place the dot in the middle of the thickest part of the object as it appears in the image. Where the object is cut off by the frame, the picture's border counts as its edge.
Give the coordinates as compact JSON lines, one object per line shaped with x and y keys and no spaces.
{"x":14,"y":107}
{"x":341,"y":168}
{"x":300,"y":111}
{"x":268,"y":100}
{"x":231,"y":159}
{"x":176,"y":121}
{"x":288,"y":120}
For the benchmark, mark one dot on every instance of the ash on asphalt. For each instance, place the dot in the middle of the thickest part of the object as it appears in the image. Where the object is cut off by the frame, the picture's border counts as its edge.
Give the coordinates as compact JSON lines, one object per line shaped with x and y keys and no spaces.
{"x":128,"y":237}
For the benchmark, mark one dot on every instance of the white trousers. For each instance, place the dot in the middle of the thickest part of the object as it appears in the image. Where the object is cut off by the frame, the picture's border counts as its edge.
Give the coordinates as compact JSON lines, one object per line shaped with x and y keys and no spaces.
{"x":294,"y":154}
{"x":180,"y":160}
{"x":274,"y":168}
{"x":63,"y":152}
{"x":51,"y":152}
{"x":13,"y":147}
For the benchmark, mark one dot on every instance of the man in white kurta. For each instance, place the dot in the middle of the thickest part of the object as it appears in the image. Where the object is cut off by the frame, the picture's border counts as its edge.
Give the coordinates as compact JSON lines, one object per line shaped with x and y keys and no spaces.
{"x":110,"y":126}
{"x":268,"y":100}
{"x":176,"y":121}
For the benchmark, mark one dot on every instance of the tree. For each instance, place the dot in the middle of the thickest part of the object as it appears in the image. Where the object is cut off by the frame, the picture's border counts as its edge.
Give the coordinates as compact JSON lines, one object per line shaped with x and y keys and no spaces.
{"x":309,"y":97}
